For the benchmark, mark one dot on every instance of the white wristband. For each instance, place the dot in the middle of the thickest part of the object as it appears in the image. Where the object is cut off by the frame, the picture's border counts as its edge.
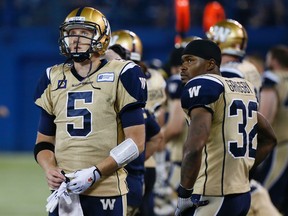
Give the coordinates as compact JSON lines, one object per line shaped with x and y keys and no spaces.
{"x":125,"y":152}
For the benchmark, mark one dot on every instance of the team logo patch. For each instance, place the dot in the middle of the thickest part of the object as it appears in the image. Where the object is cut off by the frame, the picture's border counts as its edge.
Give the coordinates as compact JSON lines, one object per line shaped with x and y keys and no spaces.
{"x":105,"y":77}
{"x":62,"y":84}
{"x":143,"y":82}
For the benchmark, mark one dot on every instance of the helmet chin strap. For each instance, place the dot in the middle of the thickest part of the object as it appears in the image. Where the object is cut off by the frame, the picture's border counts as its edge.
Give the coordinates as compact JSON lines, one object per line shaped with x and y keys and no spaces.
{"x":80,"y":57}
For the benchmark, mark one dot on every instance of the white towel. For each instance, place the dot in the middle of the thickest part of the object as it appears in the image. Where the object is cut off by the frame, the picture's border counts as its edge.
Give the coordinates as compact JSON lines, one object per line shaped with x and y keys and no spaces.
{"x":73,"y":209}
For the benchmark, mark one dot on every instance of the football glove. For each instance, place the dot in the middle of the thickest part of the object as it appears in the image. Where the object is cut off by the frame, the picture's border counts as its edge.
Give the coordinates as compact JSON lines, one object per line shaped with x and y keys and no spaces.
{"x":53,"y":199}
{"x":81,"y":180}
{"x":186,"y":201}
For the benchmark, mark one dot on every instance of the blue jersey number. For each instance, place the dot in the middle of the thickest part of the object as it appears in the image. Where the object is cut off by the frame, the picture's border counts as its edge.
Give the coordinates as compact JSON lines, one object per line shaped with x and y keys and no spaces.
{"x":82,"y":113}
{"x":239,"y":150}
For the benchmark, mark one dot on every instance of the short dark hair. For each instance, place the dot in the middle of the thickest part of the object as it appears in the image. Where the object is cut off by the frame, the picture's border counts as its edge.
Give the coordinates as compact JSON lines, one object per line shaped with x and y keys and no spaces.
{"x":280,"y":53}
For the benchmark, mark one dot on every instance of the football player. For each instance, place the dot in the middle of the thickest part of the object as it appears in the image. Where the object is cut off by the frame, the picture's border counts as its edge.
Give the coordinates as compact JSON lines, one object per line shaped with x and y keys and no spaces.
{"x":273,"y":173}
{"x":127,"y":45}
{"x":91,"y":122}
{"x":222,"y":143}
{"x":175,"y":132}
{"x":232,"y":39}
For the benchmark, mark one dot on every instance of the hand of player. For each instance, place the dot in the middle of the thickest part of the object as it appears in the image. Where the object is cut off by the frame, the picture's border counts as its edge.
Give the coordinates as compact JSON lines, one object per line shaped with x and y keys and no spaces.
{"x":54,"y":177}
{"x":53,"y":199}
{"x":186,"y":201}
{"x":81,"y":180}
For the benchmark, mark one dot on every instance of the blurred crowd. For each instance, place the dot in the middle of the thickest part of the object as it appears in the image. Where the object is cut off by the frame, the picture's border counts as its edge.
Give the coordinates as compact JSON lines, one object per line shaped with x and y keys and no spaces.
{"x":252,"y":13}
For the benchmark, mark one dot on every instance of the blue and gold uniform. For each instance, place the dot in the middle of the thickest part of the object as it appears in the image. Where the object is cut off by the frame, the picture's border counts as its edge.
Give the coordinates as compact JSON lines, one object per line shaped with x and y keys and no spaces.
{"x":175,"y":144}
{"x":87,"y":116}
{"x":228,"y":155}
{"x":230,"y":150}
{"x":243,"y":69}
{"x":273,"y":172}
{"x":174,"y":91}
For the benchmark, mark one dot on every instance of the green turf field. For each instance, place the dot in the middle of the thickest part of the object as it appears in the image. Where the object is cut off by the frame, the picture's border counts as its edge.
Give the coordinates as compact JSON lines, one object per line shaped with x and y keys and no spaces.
{"x":23,"y":187}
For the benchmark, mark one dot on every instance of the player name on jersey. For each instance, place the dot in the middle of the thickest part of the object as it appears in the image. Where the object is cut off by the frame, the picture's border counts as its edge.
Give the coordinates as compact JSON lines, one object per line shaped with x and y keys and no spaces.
{"x":236,"y":86}
{"x":156,"y":94}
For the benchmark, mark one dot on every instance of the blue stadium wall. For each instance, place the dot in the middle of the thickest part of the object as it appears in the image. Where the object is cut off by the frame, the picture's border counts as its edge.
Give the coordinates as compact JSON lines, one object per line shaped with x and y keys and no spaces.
{"x":26,"y":53}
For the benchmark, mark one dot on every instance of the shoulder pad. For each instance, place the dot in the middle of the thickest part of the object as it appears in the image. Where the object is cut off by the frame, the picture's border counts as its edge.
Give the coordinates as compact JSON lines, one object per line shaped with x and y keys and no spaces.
{"x":201,"y":91}
{"x":270,"y":79}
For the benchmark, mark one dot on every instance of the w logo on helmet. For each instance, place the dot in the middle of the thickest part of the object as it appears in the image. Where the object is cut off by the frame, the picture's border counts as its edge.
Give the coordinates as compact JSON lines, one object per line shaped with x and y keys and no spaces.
{"x":221,"y":34}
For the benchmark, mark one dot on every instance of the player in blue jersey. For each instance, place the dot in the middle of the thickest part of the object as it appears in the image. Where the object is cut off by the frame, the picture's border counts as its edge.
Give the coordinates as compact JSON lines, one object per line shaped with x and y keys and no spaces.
{"x":92,"y":122}
{"x":226,"y":138}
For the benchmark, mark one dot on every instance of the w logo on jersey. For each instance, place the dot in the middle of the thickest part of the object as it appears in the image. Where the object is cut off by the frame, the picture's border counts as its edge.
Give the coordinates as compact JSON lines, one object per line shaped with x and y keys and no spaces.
{"x":108,"y":203}
{"x":221,"y":33}
{"x":194,"y":91}
{"x":143,"y":82}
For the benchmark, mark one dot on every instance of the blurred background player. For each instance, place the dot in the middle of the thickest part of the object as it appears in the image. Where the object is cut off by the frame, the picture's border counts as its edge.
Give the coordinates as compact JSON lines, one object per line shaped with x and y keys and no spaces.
{"x":273,"y":172}
{"x":128,"y":45}
{"x":175,"y":132}
{"x":261,"y":204}
{"x":257,"y":60}
{"x":232,"y":39}
{"x":91,"y":122}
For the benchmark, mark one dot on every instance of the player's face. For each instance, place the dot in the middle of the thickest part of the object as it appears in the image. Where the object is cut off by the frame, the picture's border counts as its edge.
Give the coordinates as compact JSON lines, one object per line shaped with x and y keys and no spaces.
{"x":191,"y":66}
{"x":80,"y":39}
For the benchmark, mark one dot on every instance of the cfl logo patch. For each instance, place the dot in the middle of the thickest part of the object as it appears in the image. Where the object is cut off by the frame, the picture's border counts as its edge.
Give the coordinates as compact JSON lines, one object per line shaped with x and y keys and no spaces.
{"x":143,"y":82}
{"x":108,"y":203}
{"x":62,"y":84}
{"x":221,"y":33}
